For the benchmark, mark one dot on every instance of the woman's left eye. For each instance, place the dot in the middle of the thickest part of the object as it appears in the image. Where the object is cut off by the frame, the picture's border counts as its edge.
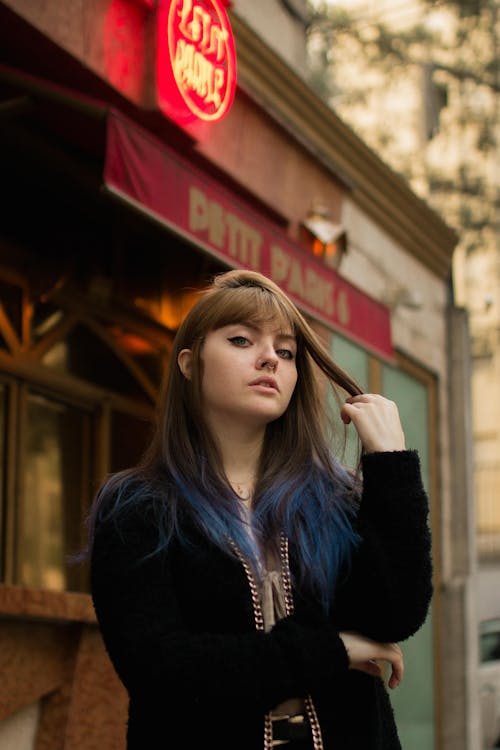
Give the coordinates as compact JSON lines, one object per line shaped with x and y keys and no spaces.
{"x":285,"y":353}
{"x":239,"y":340}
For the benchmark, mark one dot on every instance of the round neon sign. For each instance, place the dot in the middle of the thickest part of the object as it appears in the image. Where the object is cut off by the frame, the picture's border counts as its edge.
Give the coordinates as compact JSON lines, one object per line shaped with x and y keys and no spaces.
{"x":196,"y":61}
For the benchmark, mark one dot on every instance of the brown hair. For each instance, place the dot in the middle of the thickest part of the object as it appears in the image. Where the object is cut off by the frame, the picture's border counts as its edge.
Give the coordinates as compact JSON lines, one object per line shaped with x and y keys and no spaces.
{"x":240,"y":296}
{"x":301,"y":488}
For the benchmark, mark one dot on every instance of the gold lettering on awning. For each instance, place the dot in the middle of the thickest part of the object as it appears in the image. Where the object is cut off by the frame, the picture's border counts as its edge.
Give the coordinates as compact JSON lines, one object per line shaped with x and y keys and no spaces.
{"x":224,"y":230}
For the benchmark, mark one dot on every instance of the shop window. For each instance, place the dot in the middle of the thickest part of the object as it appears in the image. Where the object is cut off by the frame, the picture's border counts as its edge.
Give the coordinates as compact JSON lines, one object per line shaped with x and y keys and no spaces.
{"x":129,"y":437}
{"x":489,"y":640}
{"x":3,"y":429}
{"x":12,"y":314}
{"x":415,"y":701}
{"x":45,"y":317}
{"x":97,"y":351}
{"x":55,"y":490}
{"x":147,"y":355}
{"x":138,"y":283}
{"x":86,"y":356}
{"x":67,"y":450}
{"x":353,"y":359}
{"x":411,"y":396}
{"x":413,"y":389}
{"x":11,"y":297}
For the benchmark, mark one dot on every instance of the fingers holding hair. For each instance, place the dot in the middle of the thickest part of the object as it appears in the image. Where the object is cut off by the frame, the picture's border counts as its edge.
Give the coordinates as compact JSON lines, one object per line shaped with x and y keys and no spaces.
{"x":376,"y":420}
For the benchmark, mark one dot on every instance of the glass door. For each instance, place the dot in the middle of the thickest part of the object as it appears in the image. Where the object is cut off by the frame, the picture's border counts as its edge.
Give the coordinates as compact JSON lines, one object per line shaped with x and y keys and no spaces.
{"x":55,"y":492}
{"x":414,"y":391}
{"x":414,"y":701}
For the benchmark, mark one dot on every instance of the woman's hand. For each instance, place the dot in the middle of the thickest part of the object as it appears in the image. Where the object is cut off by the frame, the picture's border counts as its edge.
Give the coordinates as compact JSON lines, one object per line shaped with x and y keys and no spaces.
{"x":364,"y":654}
{"x":376,"y":420}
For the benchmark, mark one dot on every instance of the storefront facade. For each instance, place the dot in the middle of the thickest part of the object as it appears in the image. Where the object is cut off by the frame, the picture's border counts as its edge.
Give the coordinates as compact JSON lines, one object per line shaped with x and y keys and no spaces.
{"x":122,"y":202}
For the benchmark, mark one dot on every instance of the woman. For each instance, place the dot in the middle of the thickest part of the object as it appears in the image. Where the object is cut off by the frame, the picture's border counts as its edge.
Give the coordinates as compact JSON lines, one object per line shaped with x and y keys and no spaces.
{"x":249,"y":588}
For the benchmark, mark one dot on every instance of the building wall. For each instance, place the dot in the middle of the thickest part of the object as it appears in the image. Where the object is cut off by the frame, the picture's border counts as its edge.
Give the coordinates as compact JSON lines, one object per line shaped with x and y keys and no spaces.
{"x":417,"y":298}
{"x":256,"y":151}
{"x":280,"y":27}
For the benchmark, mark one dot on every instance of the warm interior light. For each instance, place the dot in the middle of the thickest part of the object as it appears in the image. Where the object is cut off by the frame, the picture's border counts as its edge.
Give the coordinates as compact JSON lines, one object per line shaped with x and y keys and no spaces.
{"x":170,"y":310}
{"x":132,"y":342}
{"x":330,"y":249}
{"x":324,"y":238}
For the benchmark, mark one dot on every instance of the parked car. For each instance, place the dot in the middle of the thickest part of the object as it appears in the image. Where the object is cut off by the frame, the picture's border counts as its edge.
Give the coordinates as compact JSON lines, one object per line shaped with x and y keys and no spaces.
{"x":489,"y":682}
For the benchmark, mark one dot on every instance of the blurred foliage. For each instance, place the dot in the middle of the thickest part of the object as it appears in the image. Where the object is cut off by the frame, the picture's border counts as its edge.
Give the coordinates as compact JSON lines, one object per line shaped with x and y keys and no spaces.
{"x":362,"y":63}
{"x":464,"y":7}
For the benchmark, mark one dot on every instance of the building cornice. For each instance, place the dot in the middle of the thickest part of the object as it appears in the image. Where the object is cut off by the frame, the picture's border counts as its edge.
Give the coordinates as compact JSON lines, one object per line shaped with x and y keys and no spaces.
{"x":379,"y":191}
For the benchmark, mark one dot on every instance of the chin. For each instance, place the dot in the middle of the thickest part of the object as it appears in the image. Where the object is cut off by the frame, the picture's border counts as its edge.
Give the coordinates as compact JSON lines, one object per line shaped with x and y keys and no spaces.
{"x":267,"y":417}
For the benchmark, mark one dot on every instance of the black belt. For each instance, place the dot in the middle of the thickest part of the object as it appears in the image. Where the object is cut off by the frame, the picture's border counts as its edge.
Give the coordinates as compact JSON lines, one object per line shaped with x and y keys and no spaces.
{"x":291,"y":729}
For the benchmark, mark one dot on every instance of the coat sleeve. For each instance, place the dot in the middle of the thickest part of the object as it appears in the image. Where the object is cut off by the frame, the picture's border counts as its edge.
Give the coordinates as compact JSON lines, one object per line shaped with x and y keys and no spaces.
{"x":387,"y":591}
{"x":155,"y":652}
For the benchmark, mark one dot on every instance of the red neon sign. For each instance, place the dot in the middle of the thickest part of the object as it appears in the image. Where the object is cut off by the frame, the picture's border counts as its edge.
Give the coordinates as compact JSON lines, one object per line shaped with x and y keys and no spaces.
{"x":196,"y":61}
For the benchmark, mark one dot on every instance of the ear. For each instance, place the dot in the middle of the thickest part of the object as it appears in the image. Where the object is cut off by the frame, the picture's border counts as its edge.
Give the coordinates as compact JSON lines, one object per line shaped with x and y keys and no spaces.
{"x":185,"y":361}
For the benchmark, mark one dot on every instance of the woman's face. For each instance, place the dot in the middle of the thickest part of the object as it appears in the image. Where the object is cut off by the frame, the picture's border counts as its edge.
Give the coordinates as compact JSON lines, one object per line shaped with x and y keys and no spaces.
{"x":249,"y":373}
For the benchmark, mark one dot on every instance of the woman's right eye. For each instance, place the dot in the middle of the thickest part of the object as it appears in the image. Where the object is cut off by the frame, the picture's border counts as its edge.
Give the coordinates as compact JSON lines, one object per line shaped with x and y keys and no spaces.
{"x":239,"y":340}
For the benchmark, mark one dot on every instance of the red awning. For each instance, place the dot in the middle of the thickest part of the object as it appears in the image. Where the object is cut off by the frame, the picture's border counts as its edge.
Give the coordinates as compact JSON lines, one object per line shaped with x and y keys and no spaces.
{"x":155,"y":179}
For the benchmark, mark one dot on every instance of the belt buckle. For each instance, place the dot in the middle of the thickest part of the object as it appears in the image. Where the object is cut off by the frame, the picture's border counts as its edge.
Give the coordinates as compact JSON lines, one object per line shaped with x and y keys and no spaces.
{"x":297,"y":719}
{"x":293,"y":721}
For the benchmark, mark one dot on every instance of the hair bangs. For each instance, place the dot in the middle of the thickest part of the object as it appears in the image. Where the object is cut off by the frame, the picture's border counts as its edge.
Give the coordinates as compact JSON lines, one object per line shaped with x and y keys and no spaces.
{"x":254,"y":306}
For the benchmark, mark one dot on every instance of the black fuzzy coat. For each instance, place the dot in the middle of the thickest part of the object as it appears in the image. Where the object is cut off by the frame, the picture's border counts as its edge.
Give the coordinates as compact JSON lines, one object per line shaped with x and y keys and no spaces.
{"x":181,"y":634}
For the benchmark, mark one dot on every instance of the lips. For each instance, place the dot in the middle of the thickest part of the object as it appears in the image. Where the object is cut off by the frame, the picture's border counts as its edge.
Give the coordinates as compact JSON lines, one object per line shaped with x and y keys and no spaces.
{"x":266,"y":382}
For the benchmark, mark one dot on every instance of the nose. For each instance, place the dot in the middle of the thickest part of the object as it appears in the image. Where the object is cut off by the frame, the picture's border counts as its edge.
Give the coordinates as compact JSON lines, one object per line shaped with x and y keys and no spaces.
{"x":267,"y":359}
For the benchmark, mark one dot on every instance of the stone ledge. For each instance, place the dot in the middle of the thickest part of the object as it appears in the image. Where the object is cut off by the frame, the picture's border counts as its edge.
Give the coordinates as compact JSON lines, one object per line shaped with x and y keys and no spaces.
{"x":66,"y":606}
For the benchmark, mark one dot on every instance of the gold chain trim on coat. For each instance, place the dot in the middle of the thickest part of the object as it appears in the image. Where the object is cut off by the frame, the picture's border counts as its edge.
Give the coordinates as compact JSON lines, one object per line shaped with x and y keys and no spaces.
{"x":289,"y":607}
{"x":259,"y":625}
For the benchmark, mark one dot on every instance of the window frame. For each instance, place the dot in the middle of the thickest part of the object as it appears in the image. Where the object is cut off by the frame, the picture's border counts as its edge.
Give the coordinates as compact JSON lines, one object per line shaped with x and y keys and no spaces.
{"x":23,"y":372}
